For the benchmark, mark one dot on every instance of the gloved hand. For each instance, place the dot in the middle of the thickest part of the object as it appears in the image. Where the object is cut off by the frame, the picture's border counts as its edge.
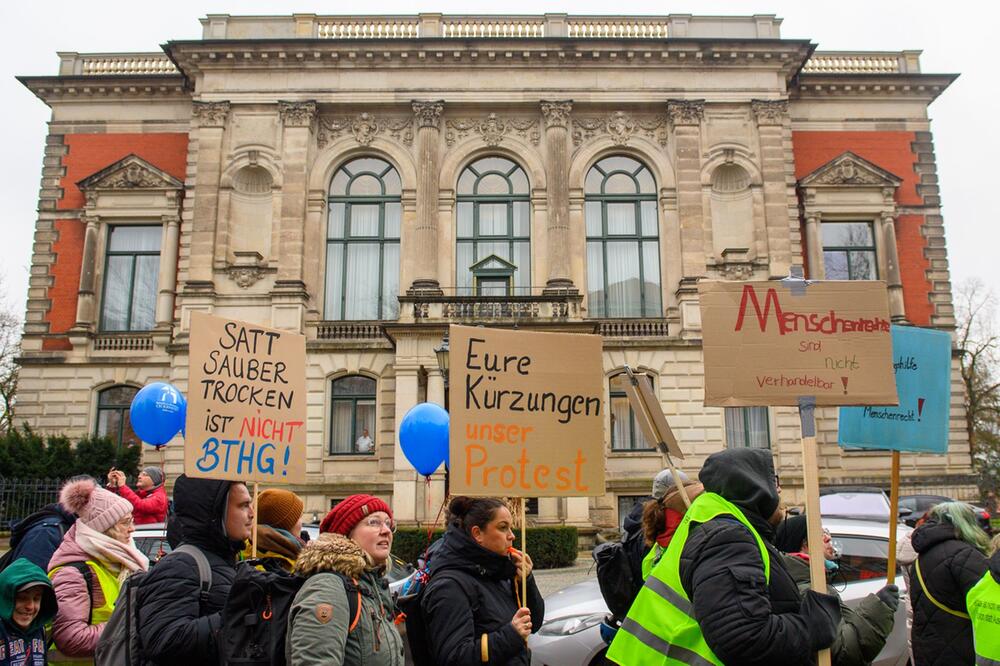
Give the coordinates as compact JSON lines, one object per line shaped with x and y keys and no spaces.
{"x":822,"y":613}
{"x":889,"y":595}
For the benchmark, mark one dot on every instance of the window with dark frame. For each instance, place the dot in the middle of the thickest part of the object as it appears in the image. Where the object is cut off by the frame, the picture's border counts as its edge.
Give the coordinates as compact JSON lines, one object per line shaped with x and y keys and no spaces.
{"x":493,"y":218}
{"x":626,"y":433}
{"x":623,"y":250}
{"x":352,"y":413}
{"x":113,"y":420}
{"x":849,"y":251}
{"x":131,"y":274}
{"x":362,"y":247}
{"x":747,"y":427}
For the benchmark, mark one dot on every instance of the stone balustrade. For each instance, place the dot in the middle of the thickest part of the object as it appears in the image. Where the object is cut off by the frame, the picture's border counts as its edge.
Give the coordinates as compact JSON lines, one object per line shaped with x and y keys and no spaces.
{"x":835,"y":62}
{"x":558,"y":305}
{"x":114,"y":64}
{"x":123,"y":342}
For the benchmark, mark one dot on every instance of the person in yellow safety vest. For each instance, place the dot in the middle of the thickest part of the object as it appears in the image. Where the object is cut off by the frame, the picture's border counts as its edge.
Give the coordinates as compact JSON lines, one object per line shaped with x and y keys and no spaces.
{"x":983,"y":603}
{"x":720,"y":594}
{"x":96,"y":555}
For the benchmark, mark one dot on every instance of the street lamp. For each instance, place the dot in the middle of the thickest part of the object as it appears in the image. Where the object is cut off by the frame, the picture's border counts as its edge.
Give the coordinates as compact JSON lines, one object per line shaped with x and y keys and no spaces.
{"x":443,"y":358}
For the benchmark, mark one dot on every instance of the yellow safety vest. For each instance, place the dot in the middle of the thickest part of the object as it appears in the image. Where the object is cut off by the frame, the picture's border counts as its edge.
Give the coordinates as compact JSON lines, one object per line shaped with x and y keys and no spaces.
{"x":660,"y":628}
{"x":110,"y":587}
{"x":983,"y":604}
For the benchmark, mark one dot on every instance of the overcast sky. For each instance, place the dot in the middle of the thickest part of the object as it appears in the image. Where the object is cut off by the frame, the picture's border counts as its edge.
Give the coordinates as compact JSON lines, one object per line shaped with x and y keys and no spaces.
{"x":956,"y":37}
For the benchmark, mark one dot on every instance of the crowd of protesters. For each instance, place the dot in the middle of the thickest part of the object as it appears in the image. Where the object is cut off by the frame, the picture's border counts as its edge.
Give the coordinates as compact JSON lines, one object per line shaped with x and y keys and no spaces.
{"x":723,"y":577}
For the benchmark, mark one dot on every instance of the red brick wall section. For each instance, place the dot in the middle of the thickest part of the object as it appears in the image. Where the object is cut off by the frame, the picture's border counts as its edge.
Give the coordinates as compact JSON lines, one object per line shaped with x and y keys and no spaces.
{"x":893,"y":152}
{"x":87,"y":154}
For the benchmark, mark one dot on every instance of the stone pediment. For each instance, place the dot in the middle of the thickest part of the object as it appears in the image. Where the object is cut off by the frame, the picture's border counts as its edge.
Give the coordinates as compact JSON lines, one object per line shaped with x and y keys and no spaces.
{"x":494,"y":264}
{"x":130,"y":173}
{"x":850,"y":170}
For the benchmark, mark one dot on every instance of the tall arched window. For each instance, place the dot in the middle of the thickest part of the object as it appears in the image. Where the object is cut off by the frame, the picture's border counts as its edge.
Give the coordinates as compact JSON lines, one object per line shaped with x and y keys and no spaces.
{"x":113,"y":415}
{"x":623,"y":256}
{"x":352,"y":415}
{"x":493,"y":221}
{"x":362,"y":247}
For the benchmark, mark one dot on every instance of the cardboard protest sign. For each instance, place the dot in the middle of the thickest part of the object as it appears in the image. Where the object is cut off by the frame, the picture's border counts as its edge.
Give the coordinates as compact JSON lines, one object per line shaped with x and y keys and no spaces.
{"x":246,"y":411}
{"x":770,"y":343}
{"x":649,"y":414}
{"x":921,"y":361}
{"x":526,"y":413}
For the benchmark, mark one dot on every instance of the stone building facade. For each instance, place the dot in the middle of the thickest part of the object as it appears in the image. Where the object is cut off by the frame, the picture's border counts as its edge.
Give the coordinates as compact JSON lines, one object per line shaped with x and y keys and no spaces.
{"x":369,"y":180}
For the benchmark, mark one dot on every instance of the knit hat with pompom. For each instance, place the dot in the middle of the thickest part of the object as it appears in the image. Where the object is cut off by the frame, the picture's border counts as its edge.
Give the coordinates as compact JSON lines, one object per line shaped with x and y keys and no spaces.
{"x":94,"y":506}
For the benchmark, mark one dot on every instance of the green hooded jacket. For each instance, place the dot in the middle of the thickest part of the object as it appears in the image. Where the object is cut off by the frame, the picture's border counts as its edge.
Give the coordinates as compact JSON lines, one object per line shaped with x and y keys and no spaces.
{"x":16,"y":643}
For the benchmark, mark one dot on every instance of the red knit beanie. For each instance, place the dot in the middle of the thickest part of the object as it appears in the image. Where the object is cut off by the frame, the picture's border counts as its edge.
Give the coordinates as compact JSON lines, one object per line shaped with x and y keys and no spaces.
{"x":343,"y":517}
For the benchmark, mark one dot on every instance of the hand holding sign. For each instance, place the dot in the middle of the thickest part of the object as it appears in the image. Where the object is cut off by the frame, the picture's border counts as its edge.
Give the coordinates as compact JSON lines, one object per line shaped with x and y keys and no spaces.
{"x":157,"y":413}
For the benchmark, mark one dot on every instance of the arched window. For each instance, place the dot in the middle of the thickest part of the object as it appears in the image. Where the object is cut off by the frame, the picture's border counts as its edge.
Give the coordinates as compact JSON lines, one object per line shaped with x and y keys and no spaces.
{"x":493,"y":223}
{"x":362,"y":247}
{"x":352,"y":415}
{"x":623,"y":256}
{"x":626,"y":433}
{"x":112,"y":415}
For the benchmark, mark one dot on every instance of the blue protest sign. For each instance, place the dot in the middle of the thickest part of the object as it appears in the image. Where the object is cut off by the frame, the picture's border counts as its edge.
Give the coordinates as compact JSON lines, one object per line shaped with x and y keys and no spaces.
{"x":921,"y":359}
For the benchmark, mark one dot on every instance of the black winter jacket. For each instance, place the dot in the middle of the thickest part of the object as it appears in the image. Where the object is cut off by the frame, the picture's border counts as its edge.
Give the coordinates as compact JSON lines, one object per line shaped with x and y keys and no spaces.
{"x":633,"y":539}
{"x":744,"y":619}
{"x":174,"y":628}
{"x":38,"y":535}
{"x":456,"y":623}
{"x":950,"y":568}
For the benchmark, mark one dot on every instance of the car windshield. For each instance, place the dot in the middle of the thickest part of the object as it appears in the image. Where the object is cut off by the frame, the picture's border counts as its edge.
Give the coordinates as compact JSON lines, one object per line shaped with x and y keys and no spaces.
{"x":860,"y":505}
{"x":861,"y":558}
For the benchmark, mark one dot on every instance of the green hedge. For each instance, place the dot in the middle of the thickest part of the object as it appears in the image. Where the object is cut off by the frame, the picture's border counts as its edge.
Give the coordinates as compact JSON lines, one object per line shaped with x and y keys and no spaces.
{"x":27,"y":455}
{"x":549,"y":547}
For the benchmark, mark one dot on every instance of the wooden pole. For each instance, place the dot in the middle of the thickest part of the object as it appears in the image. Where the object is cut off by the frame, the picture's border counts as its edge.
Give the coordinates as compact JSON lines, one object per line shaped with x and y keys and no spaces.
{"x":890,"y":570}
{"x":814,"y":524}
{"x":256,"y":496}
{"x":524,"y":550}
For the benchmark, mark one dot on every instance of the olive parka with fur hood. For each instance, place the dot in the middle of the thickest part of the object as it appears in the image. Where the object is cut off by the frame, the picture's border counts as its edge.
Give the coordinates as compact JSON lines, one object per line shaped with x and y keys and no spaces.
{"x":319,"y":622}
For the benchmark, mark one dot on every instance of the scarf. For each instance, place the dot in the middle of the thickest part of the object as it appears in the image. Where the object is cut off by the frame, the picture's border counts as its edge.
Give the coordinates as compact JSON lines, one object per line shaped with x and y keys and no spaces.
{"x":124,"y":558}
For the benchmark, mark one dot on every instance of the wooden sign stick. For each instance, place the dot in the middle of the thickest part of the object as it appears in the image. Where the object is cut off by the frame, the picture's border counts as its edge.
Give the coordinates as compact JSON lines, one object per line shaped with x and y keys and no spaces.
{"x":890,"y":569}
{"x":814,"y":523}
{"x":256,"y":496}
{"x":524,"y":551}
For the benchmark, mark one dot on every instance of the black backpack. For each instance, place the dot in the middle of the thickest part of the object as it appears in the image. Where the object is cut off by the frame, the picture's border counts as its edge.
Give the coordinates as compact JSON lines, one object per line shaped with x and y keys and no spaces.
{"x":414,"y":630}
{"x":619,"y":582}
{"x":255,"y":617}
{"x":46,"y":518}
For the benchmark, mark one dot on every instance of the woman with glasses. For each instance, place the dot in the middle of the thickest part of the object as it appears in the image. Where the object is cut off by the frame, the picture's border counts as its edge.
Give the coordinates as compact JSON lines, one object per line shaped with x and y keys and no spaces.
{"x":87,"y":570}
{"x":473,"y":606}
{"x":346,"y":618}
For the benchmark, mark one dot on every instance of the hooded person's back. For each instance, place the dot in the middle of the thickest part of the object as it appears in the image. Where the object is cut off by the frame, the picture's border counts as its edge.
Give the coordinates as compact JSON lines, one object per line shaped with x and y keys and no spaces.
{"x":174,"y":626}
{"x":745,"y":618}
{"x":37,"y":536}
{"x":16,"y":641}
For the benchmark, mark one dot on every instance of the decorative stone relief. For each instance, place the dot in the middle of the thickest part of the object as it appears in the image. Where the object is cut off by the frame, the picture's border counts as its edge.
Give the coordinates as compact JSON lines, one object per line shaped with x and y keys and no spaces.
{"x":428,"y":114}
{"x":685,"y":112}
{"x":211,"y":114}
{"x":245,"y":276}
{"x":129,"y":173}
{"x":297,"y":114}
{"x":556,"y":114}
{"x":621,"y":127}
{"x":492,"y":129}
{"x":769,"y":112}
{"x":365,"y":127}
{"x":849,"y":169}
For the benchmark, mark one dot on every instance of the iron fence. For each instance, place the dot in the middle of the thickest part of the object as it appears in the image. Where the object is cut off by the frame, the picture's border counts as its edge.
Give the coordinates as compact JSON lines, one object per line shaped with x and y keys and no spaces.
{"x":22,"y":497}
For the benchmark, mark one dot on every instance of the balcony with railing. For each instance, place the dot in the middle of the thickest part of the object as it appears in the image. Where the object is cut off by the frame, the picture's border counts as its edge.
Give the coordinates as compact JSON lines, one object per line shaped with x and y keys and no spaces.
{"x":861,"y":62}
{"x":457,"y":306}
{"x":114,"y":64}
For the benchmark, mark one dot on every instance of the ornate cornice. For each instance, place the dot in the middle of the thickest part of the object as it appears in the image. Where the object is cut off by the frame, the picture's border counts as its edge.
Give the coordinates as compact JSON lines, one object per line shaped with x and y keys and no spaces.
{"x":491,"y":128}
{"x":365,"y":127}
{"x":556,"y":114}
{"x":428,"y":114}
{"x":621,"y":127}
{"x":297,"y":114}
{"x":685,"y":112}
{"x":769,"y":112}
{"x":211,"y":114}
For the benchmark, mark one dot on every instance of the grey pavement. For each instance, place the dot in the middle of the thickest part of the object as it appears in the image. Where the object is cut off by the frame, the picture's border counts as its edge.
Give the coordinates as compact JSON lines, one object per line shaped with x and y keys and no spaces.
{"x":551,"y":580}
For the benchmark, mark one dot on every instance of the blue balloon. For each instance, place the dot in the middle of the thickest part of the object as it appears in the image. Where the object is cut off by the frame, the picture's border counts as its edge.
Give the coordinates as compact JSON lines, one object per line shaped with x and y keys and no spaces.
{"x":423,"y":436}
{"x":158,"y":411}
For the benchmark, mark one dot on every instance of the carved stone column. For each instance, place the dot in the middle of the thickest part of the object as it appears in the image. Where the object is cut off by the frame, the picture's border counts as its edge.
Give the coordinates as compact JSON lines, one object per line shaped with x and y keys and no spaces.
{"x":167,"y":280}
{"x":296,"y":119}
{"x":556,"y":115}
{"x":893,"y":277}
{"x":770,"y":116}
{"x":86,"y":297}
{"x":211,"y":117}
{"x":685,"y":117}
{"x":814,"y":246}
{"x":428,"y":115}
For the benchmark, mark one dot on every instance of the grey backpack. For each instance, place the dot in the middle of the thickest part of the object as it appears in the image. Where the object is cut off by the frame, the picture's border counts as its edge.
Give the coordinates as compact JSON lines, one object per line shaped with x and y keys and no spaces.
{"x":119,"y":642}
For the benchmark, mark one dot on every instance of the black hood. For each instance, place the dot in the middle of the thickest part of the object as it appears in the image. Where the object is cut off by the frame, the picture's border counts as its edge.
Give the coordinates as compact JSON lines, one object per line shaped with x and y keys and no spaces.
{"x":458,"y":550}
{"x":745,"y":477}
{"x":931,"y":534}
{"x":200,"y":515}
{"x":791,"y":533}
{"x":633,"y":521}
{"x":50,"y":512}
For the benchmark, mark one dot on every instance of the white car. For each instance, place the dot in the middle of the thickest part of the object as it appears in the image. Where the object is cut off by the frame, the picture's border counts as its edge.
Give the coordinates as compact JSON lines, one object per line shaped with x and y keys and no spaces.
{"x":570,"y":634}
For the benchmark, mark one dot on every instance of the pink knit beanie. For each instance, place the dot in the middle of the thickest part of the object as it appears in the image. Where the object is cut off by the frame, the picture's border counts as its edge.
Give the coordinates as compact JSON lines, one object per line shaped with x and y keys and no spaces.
{"x":94,"y":506}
